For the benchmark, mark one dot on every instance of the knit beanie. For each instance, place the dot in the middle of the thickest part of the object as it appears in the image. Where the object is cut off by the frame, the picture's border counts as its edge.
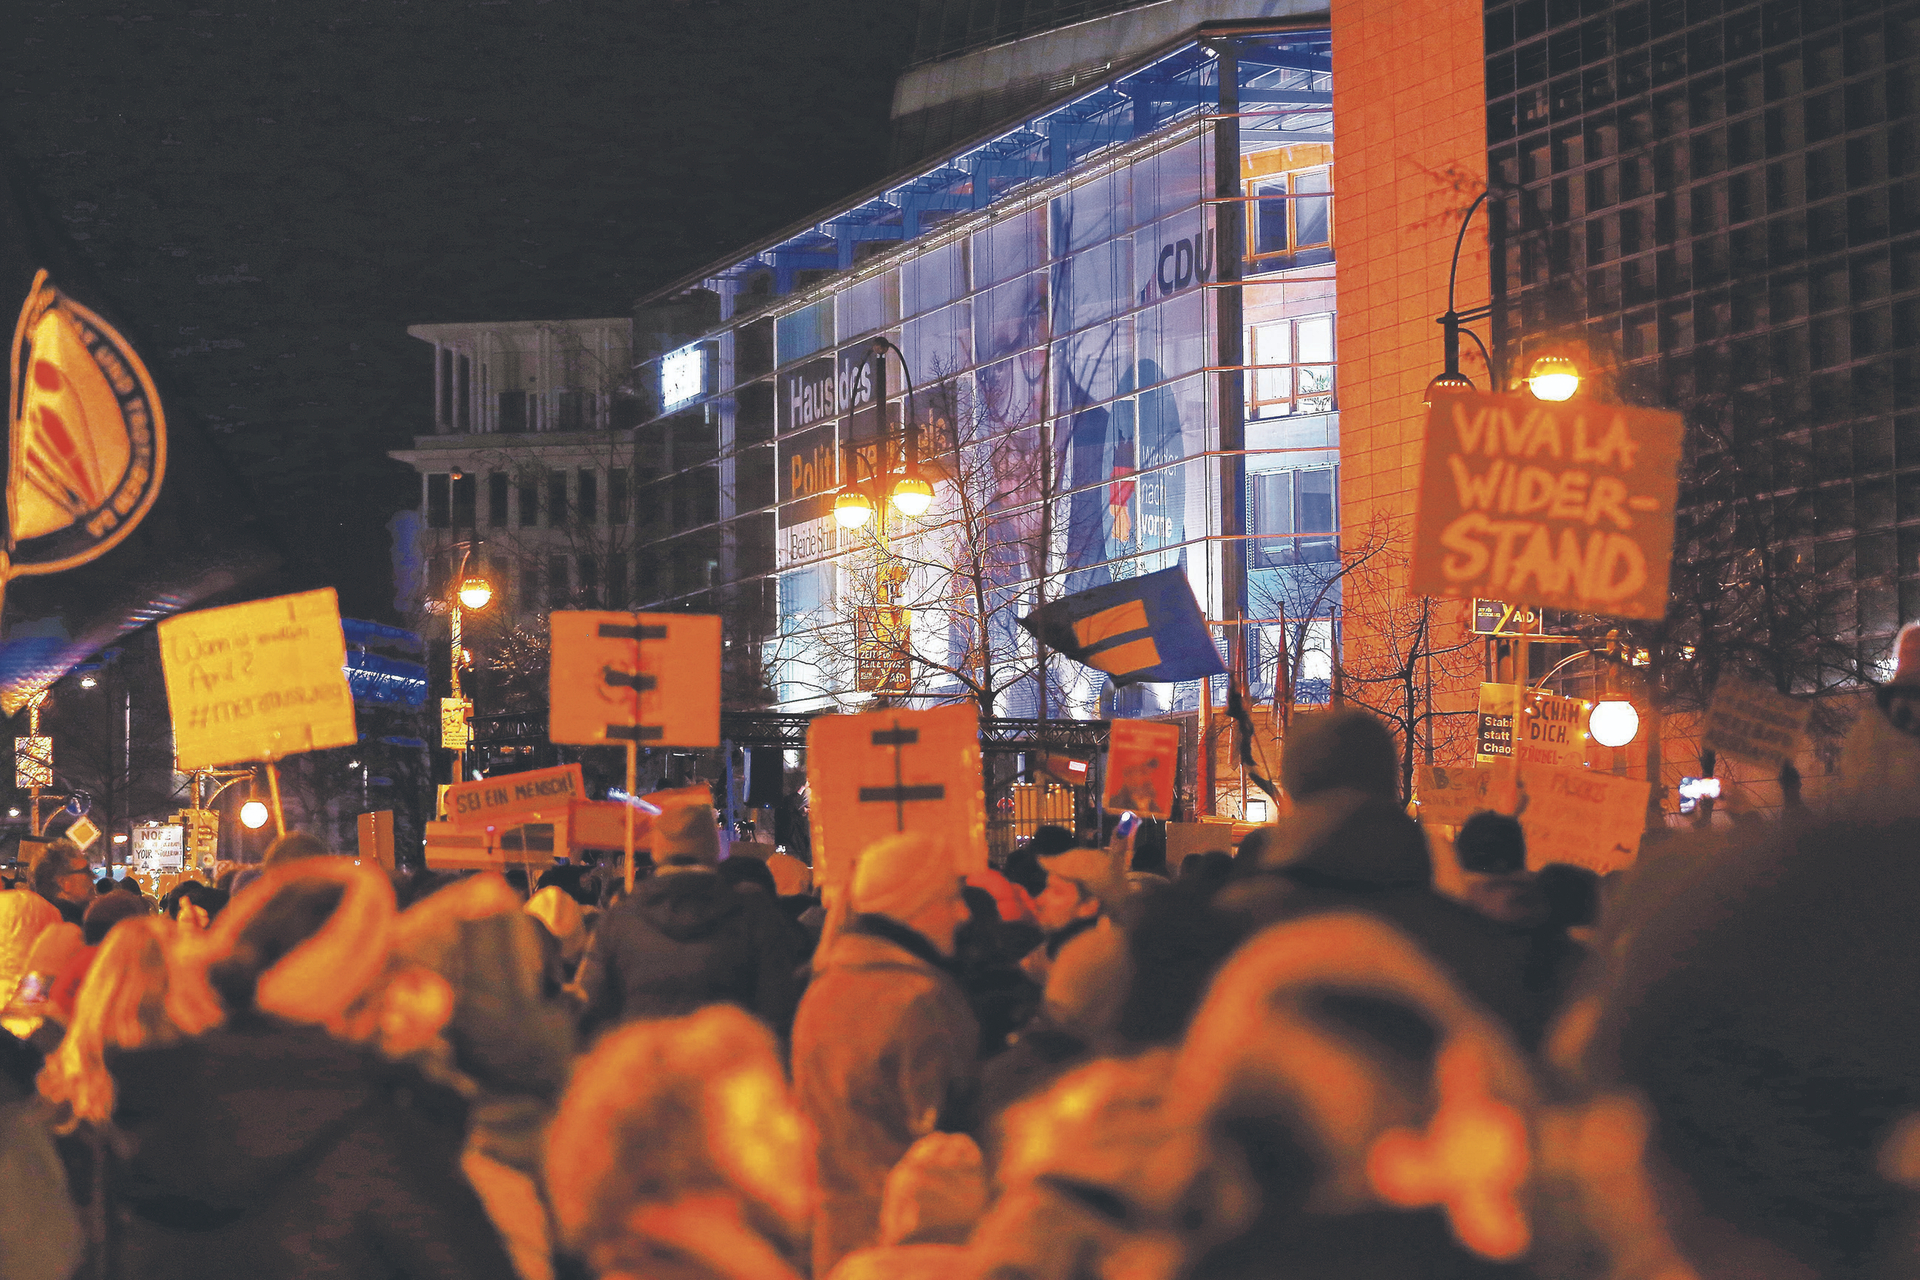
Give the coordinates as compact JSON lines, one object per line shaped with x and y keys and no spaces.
{"x":1099,"y":871}
{"x":898,"y":876}
{"x":684,"y":832}
{"x":1347,"y":748}
{"x":108,"y":910}
{"x":1491,"y":844}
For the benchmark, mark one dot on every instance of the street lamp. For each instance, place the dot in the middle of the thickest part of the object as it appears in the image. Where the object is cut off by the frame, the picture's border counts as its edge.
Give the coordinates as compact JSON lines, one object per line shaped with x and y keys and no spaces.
{"x":1613,"y":723}
{"x":912,"y":494}
{"x":253,"y":815}
{"x":473,"y":593}
{"x":852,"y":509}
{"x":1455,"y":321}
{"x":1553,"y":378}
{"x":476,"y":593}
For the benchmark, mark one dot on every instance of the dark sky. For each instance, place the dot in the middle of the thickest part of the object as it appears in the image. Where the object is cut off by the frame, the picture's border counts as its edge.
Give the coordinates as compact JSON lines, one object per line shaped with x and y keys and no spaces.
{"x":272,"y":190}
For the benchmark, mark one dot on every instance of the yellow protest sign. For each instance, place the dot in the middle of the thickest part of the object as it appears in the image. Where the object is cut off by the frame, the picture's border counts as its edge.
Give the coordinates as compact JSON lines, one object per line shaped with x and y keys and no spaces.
{"x":456,"y":724}
{"x":646,"y":678}
{"x":1591,"y":820}
{"x":1552,"y":732}
{"x":1449,"y":795}
{"x":257,"y":681}
{"x":514,"y":798}
{"x":1141,"y":758}
{"x":1566,"y":506}
{"x":1752,"y":722}
{"x":881,"y":772}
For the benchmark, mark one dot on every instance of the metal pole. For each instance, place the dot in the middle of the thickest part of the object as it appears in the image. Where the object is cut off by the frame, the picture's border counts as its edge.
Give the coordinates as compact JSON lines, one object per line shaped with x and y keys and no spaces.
{"x":633,"y":769}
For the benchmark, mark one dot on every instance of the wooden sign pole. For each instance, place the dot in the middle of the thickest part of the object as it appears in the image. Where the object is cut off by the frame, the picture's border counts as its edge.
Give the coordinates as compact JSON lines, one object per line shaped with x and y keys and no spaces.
{"x":633,"y":770}
{"x":1522,"y":666}
{"x":273,"y":789}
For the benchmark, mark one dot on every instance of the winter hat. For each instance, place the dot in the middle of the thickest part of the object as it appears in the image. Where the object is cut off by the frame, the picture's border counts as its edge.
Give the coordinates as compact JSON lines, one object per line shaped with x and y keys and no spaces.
{"x":684,"y":832}
{"x":320,"y":977}
{"x":1346,"y":748}
{"x":555,"y":908}
{"x":1491,"y":844}
{"x":898,"y":876}
{"x":108,"y":910}
{"x":1099,"y":871}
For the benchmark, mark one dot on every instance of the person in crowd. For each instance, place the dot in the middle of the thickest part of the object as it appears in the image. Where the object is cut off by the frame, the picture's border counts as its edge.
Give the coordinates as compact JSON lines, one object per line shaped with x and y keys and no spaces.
{"x":557,"y":909}
{"x":987,"y":964}
{"x":677,"y":1154}
{"x":933,"y":1200}
{"x":1348,"y":844}
{"x":790,"y":874}
{"x":103,"y":885}
{"x":58,"y":870}
{"x":1747,"y":1091}
{"x":287,"y":1142}
{"x":294,"y":845}
{"x":193,"y":904}
{"x":506,"y":1048}
{"x":1492,"y":850}
{"x":102,"y":914}
{"x":1023,"y":864}
{"x":884,"y":1043}
{"x":24,"y":916}
{"x":686,"y":938}
{"x":28,"y":1012}
{"x":1079,"y":883}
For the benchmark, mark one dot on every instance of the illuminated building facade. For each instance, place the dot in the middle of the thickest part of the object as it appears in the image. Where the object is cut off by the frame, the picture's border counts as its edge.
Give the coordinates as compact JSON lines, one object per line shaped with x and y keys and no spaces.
{"x":1118,"y":319}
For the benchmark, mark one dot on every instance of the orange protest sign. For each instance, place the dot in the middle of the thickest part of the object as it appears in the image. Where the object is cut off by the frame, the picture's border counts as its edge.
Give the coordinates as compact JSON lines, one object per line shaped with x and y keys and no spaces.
{"x":257,"y":681}
{"x":514,"y":798}
{"x":1450,"y":794}
{"x":1141,"y":758}
{"x":646,"y":678}
{"x":881,"y":772}
{"x":1566,"y":506}
{"x":1591,"y":820}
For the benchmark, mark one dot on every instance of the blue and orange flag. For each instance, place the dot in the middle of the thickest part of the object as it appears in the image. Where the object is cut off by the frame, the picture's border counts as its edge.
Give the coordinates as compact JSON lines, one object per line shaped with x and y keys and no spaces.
{"x":1139,"y":630}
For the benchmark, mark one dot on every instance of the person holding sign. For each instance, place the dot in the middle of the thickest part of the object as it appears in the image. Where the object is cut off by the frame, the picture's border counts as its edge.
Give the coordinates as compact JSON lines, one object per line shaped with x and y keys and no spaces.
{"x":884,"y":1043}
{"x":685,"y":938}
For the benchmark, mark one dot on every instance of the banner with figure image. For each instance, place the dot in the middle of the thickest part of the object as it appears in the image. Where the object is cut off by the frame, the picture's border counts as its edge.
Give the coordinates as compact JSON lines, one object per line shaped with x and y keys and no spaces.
{"x":1568,"y":506}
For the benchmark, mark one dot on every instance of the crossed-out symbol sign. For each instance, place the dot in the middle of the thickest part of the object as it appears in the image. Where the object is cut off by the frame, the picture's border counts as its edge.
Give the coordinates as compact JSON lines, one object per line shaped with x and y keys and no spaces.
{"x":871,"y":776}
{"x":899,"y":795}
{"x":607,"y":685}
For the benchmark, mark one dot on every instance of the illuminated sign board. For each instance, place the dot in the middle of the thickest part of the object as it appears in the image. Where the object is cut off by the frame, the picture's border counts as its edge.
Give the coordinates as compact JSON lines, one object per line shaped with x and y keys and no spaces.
{"x":683,"y":376}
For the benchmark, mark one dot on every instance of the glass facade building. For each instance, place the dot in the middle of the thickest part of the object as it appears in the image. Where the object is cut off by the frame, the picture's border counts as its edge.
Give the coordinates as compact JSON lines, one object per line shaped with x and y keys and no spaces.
{"x":1721,"y":201}
{"x":1107,"y":340}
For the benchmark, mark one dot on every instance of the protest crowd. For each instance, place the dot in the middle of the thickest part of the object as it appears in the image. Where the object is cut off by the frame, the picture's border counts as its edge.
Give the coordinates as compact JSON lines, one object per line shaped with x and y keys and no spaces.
{"x":1295,"y":1058}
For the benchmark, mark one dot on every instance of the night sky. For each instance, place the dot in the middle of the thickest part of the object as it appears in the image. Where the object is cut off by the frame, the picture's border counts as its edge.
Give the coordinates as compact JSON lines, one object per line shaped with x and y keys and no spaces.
{"x":270,"y":191}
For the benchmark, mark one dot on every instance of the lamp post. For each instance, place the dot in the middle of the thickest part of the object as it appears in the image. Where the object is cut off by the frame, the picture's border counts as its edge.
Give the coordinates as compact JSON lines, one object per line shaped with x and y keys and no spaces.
{"x":469,"y":593}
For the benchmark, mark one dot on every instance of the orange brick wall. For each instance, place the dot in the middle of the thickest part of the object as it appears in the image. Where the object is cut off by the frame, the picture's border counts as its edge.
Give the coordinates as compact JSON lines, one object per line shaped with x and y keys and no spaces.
{"x":1409,"y":109}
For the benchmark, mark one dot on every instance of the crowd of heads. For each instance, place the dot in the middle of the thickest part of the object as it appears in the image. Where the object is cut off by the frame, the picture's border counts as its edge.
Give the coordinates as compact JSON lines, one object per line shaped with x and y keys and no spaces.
{"x":1298,"y":1057}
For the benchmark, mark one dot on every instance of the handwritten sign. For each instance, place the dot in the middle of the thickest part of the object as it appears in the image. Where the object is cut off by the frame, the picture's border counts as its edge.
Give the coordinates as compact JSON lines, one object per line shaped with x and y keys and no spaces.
{"x":1566,"y":506}
{"x":883,"y":772}
{"x":257,"y":681}
{"x":514,"y":798}
{"x":1591,"y":820}
{"x":1141,"y":758}
{"x":1752,"y":722}
{"x":1449,"y":795}
{"x":646,"y":678}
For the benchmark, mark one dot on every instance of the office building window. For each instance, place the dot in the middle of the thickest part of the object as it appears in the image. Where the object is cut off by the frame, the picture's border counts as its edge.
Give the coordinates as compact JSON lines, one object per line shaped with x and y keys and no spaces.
{"x":588,"y":510}
{"x":556,"y":499}
{"x":619,"y":497}
{"x":558,"y":588}
{"x":513,"y":412}
{"x":1295,"y":515}
{"x":1293,"y":370}
{"x":617,"y":580}
{"x":529,"y":504}
{"x":463,"y":498}
{"x":1293,"y":217}
{"x":497,"y":499}
{"x":590,"y":582}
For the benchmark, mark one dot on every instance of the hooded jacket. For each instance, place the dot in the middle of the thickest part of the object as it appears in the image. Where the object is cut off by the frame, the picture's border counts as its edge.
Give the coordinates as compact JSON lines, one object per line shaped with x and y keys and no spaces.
{"x":271,"y":1150}
{"x":685,"y":940}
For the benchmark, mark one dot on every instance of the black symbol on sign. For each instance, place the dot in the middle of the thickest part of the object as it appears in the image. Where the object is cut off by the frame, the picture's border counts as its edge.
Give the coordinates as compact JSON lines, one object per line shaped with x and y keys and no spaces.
{"x":899,"y":795}
{"x":637,"y":682}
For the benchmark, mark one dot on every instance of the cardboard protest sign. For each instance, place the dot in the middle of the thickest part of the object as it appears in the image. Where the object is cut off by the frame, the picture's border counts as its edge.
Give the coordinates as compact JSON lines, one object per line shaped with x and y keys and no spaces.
{"x":881,"y":772}
{"x":647,"y":678}
{"x":1749,"y":721}
{"x":257,"y":681}
{"x":1552,"y":732}
{"x":514,"y":798}
{"x":1566,"y":506}
{"x":1141,"y":758}
{"x":1449,"y":795}
{"x":1591,"y":820}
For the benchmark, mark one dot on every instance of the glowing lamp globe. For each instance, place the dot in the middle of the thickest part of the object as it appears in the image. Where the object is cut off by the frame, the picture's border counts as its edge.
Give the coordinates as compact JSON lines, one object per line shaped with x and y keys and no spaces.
{"x":851,"y":509}
{"x":1447,"y":383}
{"x":253,"y":815}
{"x":1613,"y":723}
{"x":475,"y":593}
{"x":912,"y":496}
{"x":1553,"y":378}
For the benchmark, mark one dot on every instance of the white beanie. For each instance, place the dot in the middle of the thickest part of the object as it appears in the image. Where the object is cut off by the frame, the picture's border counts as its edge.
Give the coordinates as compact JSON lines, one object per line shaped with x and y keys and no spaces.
{"x":898,"y":876}
{"x":684,"y":832}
